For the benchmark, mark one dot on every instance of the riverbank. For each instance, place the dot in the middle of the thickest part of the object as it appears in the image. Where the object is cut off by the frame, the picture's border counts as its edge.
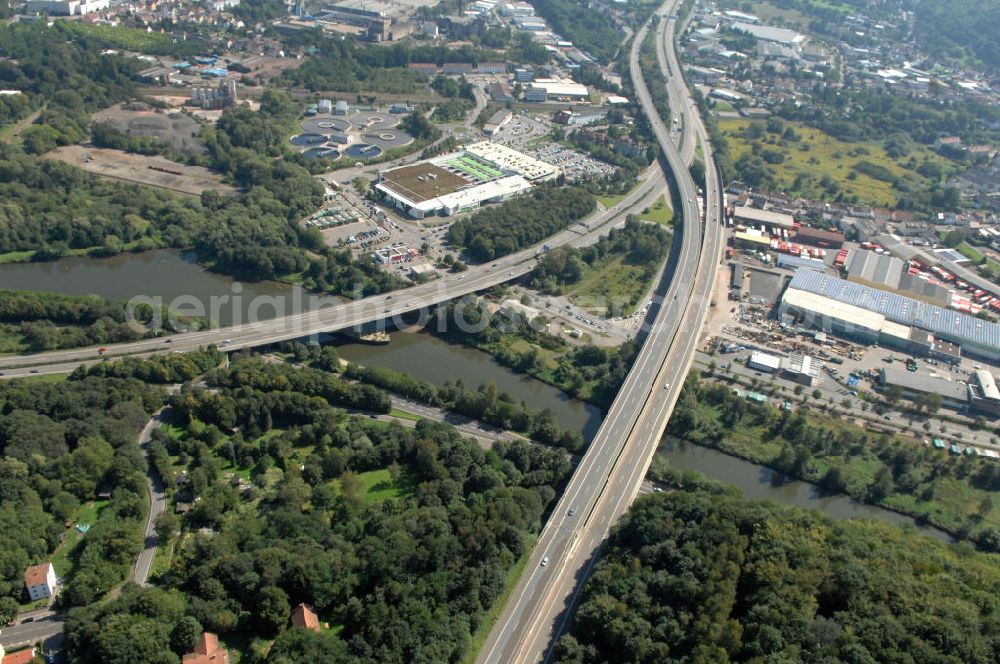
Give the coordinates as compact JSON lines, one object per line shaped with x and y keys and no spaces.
{"x":435,"y":360}
{"x":958,"y":495}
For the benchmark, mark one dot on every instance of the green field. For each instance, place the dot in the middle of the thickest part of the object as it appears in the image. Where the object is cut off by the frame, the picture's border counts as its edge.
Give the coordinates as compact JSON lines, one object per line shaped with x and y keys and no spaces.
{"x":87,"y":513}
{"x":610,"y":201}
{"x":659,"y":212}
{"x":378,"y":485}
{"x":817,"y":155}
{"x":614,"y":281}
{"x":404,"y":415}
{"x":970,"y":252}
{"x":792,"y":17}
{"x":722,"y":106}
{"x":17,"y":256}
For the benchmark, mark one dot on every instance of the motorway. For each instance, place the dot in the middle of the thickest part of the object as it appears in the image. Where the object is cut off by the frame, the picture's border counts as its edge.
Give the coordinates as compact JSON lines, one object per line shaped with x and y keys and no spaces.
{"x":330,"y":319}
{"x":611,"y":472}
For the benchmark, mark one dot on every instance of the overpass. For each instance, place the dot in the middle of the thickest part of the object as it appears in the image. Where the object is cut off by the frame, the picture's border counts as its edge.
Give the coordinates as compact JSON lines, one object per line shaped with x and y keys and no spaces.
{"x":344,"y":316}
{"x":611,"y":472}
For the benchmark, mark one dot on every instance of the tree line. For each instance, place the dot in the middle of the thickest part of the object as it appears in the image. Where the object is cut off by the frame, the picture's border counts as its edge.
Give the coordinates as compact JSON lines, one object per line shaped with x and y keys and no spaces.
{"x":521,"y":222}
{"x":46,"y":321}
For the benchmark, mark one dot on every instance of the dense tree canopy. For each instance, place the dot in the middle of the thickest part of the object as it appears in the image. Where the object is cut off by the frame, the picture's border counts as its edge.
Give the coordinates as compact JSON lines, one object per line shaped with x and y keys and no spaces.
{"x":521,"y":222}
{"x":704,"y":576}
{"x":402,"y":578}
{"x":952,"y":29}
{"x":61,"y":444}
{"x":44,"y":321}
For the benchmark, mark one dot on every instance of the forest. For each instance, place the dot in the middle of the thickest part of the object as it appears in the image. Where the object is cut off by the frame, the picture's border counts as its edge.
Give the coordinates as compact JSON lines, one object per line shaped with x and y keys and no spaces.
{"x":946,"y":29}
{"x":519,"y":223}
{"x":959,"y":495}
{"x":32,"y":322}
{"x":402,"y":570}
{"x":68,"y":76}
{"x":589,"y":29}
{"x":700,"y":575}
{"x":856,"y":115}
{"x":62,"y":445}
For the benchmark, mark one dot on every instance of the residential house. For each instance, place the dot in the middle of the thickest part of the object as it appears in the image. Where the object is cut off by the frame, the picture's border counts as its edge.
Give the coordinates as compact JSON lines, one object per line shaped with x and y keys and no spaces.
{"x":40,"y":581}
{"x":207,"y":651}
{"x":25,"y":656}
{"x":305,"y":617}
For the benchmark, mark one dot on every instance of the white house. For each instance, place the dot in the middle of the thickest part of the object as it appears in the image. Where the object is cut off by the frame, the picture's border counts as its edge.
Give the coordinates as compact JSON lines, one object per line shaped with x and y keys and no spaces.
{"x":40,"y":580}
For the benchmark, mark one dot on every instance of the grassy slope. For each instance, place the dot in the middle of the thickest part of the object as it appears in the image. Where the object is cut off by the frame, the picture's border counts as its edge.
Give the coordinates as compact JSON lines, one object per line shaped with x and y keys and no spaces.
{"x":659,"y":213}
{"x":88,"y":513}
{"x":614,"y":280}
{"x":827,"y":155}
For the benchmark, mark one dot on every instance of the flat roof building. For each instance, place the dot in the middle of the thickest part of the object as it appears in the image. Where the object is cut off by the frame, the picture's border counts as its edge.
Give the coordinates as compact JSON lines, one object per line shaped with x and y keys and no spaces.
{"x":761,"y":361}
{"x":559,"y":89}
{"x":984,"y":395}
{"x":480,"y":174}
{"x":748,"y":215}
{"x":953,"y":393}
{"x":803,"y":369}
{"x":752,"y":240}
{"x":819,"y":237}
{"x":974,"y":335}
{"x":502,"y":156}
{"x":845,"y":320}
{"x":796,"y":262}
{"x":496,"y":121}
{"x":771,"y":34}
{"x":736,"y":281}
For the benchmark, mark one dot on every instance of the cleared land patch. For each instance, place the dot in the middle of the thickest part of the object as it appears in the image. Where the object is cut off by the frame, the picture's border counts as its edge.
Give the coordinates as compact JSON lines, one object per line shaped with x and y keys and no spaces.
{"x":140,"y":169}
{"x":178,"y":129}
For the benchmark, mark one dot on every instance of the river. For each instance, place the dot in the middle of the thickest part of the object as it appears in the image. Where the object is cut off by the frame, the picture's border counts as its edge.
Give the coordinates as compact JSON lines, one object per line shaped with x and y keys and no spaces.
{"x":432,"y":359}
{"x":170,"y":275}
{"x":755,"y":481}
{"x":436,"y":361}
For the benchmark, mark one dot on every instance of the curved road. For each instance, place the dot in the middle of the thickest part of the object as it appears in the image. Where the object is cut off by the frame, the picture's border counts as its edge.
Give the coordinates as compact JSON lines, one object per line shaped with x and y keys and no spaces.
{"x":611,"y":472}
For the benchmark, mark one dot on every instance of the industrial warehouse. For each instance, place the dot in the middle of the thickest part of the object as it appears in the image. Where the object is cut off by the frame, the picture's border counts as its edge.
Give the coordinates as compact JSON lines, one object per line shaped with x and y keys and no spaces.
{"x":878,"y":316}
{"x":480,"y":174}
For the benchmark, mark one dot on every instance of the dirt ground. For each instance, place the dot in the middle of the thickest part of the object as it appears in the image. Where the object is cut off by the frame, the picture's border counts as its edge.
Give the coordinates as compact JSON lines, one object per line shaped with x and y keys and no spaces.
{"x":719,"y":315}
{"x":140,"y":169}
{"x":137,"y":119}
